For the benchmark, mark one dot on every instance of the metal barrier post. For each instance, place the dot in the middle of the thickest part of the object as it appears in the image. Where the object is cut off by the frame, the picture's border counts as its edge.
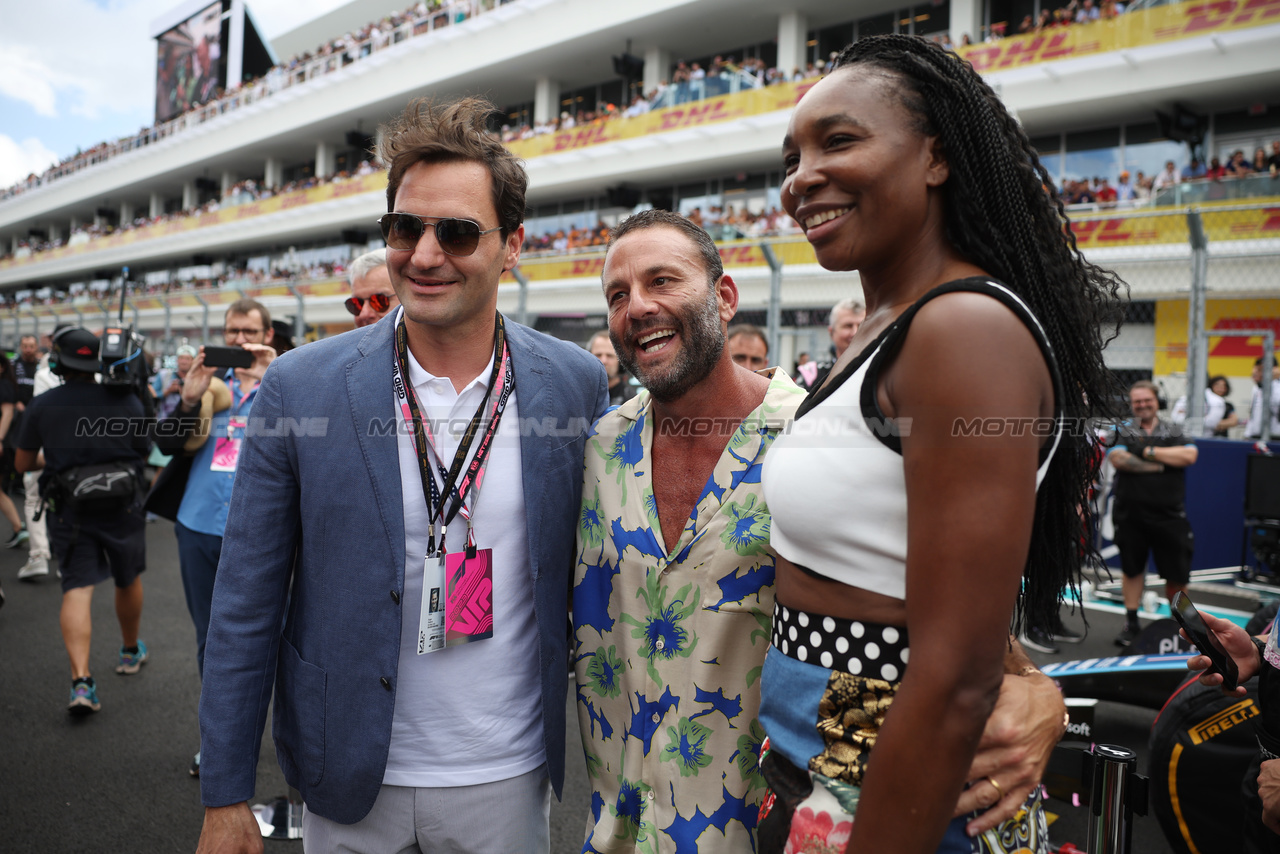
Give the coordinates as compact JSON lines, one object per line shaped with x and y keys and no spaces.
{"x":300,"y":320}
{"x":773,"y":317}
{"x":1197,"y":346}
{"x":522,"y":302}
{"x":204,"y":338}
{"x":1111,"y":809}
{"x":168,"y":324}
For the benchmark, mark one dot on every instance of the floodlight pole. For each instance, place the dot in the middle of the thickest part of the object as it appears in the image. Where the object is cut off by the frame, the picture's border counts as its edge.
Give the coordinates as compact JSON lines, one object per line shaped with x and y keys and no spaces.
{"x":522,"y":301}
{"x":773,"y":317}
{"x":1197,"y":344}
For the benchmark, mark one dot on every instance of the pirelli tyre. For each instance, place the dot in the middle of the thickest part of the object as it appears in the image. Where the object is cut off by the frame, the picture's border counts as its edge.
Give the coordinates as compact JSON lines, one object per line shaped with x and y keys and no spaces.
{"x":1201,"y":745}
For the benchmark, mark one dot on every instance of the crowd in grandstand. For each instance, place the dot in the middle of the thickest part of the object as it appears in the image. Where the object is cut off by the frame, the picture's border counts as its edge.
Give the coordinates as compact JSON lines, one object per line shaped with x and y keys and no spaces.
{"x":1137,"y":189}
{"x":240,"y":193}
{"x":241,"y":278}
{"x":423,"y":16}
{"x":733,"y":222}
{"x":687,"y":80}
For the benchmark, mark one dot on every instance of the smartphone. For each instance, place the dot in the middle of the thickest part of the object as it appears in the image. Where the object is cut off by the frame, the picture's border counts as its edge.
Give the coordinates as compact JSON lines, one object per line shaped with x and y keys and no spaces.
{"x":1189,"y":618}
{"x":227,"y":357}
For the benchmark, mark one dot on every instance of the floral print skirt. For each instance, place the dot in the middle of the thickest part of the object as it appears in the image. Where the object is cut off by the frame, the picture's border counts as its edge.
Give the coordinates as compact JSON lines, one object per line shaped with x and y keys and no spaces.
{"x":821,"y":724}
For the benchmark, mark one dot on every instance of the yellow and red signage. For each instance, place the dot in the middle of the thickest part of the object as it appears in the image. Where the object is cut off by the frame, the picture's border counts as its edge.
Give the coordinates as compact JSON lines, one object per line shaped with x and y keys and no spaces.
{"x":732,"y":255}
{"x":326,"y":192}
{"x":1093,"y":231}
{"x":1133,"y":29}
{"x":1231,"y":357}
{"x":751,"y":102}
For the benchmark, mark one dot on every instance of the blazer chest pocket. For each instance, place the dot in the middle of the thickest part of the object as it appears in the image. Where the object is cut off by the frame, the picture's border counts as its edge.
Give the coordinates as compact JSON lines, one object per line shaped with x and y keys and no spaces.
{"x":300,"y":718}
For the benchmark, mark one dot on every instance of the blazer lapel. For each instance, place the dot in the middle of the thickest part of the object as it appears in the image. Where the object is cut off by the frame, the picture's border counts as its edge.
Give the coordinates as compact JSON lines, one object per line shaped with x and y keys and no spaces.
{"x":376,"y":421}
{"x":534,"y":404}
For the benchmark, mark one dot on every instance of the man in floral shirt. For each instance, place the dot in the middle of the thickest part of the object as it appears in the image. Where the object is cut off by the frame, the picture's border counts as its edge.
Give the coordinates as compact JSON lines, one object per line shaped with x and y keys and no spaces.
{"x":673,"y":589}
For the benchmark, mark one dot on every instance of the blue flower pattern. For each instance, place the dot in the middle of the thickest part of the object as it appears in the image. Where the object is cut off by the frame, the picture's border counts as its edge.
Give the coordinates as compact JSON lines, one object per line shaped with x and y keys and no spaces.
{"x":667,"y":753}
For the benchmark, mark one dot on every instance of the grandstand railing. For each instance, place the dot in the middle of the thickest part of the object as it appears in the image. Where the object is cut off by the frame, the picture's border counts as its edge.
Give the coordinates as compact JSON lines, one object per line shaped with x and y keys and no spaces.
{"x":1156,"y":25}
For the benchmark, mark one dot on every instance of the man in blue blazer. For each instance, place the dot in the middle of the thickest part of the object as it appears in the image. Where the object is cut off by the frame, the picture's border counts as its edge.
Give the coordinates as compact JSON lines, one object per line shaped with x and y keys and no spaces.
{"x":398,"y":553}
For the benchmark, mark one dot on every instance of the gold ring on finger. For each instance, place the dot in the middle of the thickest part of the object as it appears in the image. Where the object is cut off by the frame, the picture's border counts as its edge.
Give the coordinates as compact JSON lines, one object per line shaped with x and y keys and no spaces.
{"x":999,"y":791}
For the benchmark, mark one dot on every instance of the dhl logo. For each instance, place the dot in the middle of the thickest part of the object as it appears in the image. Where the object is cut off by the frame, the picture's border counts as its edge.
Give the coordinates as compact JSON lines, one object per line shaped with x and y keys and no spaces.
{"x":580,"y":139}
{"x":208,"y":219}
{"x":1240,"y":347}
{"x":349,"y":188}
{"x":698,"y":114}
{"x":1223,"y":721}
{"x":1202,"y":17}
{"x":248,"y":210}
{"x":1101,"y":232}
{"x":1038,"y":48}
{"x":741,"y":256}
{"x":293,"y":200}
{"x":1246,"y":228}
{"x":1164,"y":23}
{"x":587,"y":267}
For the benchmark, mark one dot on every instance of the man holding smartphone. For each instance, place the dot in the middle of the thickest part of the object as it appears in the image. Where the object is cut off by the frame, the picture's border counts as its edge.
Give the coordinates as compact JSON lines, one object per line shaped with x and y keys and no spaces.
{"x":202,"y":515}
{"x":1260,"y":788}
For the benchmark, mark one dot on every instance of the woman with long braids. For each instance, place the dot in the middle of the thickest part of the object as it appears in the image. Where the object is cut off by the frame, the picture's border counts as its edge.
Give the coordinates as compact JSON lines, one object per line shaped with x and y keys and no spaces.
{"x":928,"y":499}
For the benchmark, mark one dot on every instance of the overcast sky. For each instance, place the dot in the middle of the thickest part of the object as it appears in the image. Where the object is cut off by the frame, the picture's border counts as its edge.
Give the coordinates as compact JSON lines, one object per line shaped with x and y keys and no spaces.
{"x":74,"y":73}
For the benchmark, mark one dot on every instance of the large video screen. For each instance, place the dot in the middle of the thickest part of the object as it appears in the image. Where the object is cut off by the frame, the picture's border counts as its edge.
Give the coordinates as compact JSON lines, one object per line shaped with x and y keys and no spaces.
{"x":188,"y":63}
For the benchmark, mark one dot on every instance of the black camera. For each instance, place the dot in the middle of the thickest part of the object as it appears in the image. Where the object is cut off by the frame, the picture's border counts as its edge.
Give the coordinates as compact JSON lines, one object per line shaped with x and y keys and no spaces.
{"x":122,"y":355}
{"x":123,"y":360}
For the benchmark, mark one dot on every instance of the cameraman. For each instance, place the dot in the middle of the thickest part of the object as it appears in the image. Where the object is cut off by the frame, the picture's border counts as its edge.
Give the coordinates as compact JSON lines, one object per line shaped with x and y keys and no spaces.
{"x":95,"y":439}
{"x":195,"y":488}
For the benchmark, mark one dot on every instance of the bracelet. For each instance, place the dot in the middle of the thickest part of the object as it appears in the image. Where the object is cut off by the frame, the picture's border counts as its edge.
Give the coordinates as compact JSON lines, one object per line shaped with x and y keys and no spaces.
{"x":1029,"y":670}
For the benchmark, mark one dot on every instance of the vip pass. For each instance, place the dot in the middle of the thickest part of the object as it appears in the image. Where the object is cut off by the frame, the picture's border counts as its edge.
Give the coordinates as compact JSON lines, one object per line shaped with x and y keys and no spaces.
{"x":457,"y":588}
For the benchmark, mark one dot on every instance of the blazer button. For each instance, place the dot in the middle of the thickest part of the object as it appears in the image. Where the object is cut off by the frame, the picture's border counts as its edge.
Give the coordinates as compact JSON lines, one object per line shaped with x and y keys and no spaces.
{"x":386,"y":683}
{"x":395,"y":597}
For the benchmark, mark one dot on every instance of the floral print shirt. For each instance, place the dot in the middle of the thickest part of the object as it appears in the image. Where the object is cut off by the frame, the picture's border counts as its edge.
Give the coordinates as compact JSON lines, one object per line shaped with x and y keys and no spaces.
{"x":669,"y":647}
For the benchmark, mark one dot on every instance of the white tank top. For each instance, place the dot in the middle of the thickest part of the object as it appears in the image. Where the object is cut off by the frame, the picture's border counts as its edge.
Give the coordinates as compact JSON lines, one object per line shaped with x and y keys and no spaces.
{"x":834,"y":482}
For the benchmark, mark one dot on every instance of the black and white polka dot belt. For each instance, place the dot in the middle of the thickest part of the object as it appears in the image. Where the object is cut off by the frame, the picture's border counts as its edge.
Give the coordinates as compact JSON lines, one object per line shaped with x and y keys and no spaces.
{"x":854,"y":646}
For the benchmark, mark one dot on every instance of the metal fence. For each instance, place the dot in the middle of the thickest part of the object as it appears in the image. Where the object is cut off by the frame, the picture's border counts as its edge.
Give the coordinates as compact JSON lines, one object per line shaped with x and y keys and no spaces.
{"x":1203,"y":283}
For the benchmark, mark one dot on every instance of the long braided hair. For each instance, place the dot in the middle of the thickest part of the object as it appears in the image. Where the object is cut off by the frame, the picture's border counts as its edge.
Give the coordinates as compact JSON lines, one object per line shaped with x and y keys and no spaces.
{"x":1003,"y":215}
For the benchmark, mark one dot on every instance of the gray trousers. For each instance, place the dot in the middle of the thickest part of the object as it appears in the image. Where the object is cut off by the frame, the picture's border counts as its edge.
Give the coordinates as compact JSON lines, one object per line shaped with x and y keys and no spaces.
{"x":507,"y":817}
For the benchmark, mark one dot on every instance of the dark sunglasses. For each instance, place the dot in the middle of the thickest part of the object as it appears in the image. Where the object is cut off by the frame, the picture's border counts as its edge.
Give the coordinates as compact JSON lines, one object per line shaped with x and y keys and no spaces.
{"x":378,"y":302}
{"x":458,"y":237}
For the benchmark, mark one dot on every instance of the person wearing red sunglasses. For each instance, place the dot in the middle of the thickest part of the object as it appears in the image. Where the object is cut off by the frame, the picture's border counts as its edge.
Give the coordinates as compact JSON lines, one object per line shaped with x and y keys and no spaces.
{"x":371,"y":293}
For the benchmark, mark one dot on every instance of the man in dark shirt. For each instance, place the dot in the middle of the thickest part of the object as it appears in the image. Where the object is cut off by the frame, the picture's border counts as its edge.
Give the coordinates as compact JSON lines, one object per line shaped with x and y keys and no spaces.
{"x":620,"y":389}
{"x":25,"y":367}
{"x":1150,"y":456}
{"x":81,"y":424}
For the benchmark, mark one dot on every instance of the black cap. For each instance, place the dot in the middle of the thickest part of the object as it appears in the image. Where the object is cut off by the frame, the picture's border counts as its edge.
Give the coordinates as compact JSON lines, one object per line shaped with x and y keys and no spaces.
{"x":76,"y":348}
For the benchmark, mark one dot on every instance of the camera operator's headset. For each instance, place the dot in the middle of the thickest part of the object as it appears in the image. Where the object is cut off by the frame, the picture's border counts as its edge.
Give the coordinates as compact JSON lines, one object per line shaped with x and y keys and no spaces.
{"x":58,"y":342}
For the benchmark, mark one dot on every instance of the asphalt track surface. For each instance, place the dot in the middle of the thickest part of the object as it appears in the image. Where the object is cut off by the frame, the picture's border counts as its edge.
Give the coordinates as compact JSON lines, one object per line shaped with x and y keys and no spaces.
{"x":116,"y":782}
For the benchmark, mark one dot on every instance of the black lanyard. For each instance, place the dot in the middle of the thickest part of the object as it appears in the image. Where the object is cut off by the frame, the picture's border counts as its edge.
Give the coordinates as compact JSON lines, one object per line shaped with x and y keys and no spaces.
{"x":455,"y":491}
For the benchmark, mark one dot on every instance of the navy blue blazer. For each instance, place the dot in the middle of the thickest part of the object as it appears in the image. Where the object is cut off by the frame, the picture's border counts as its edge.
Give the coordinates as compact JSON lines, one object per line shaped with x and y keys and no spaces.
{"x":306,"y":606}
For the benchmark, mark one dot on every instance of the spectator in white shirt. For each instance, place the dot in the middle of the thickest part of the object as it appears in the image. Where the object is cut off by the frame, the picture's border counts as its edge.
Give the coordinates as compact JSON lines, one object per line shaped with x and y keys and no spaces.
{"x":1167,"y":178}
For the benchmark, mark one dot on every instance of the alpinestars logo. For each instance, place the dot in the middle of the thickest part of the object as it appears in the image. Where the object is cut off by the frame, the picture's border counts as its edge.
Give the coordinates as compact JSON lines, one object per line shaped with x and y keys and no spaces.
{"x":100,"y":483}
